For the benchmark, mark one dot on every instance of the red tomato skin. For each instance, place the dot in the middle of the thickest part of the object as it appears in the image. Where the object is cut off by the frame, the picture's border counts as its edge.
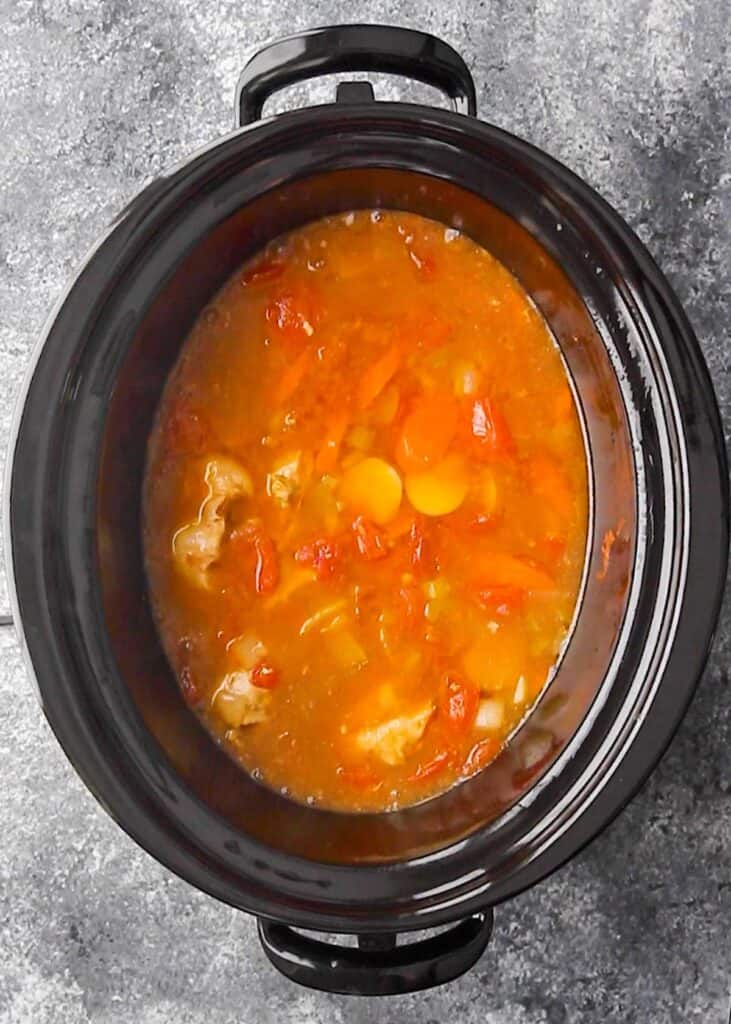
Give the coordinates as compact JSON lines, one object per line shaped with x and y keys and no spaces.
{"x":369,"y":540}
{"x":490,"y":429}
{"x":480,"y":755}
{"x":265,"y":676}
{"x":458,"y":702}
{"x":323,"y":555}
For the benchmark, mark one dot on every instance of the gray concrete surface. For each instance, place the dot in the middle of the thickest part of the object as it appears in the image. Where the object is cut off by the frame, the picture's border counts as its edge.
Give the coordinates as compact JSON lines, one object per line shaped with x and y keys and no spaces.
{"x":96,"y":98}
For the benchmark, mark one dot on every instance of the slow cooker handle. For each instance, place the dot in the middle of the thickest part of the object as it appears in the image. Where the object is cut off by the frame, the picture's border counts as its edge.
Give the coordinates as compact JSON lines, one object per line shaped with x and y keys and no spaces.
{"x":323,"y":51}
{"x":377,"y":967}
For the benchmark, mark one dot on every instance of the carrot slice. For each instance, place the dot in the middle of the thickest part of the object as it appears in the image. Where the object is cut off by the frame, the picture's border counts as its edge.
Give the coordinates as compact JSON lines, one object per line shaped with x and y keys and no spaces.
{"x":501,"y":570}
{"x":377,"y":376}
{"x":292,"y":377}
{"x":386,"y":405}
{"x":327,"y":456}
{"x":427,"y":432}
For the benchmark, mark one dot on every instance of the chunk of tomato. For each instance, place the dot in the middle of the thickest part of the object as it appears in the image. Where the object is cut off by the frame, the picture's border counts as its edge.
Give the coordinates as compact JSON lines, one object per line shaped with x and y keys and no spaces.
{"x":369,"y":539}
{"x":490,"y":429}
{"x":458,"y":702}
{"x":265,"y":676}
{"x":323,"y":555}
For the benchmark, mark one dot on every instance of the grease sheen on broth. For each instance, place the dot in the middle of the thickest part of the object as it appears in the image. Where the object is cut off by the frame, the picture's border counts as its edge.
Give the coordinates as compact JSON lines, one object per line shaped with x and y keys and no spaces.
{"x":365,"y":510}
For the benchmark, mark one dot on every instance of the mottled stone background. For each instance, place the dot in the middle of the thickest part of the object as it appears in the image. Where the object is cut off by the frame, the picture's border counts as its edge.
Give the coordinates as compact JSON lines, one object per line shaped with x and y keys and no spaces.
{"x":95,"y":99}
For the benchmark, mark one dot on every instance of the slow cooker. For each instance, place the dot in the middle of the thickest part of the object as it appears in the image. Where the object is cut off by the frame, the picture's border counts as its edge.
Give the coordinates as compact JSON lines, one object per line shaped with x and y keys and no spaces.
{"x":659,"y":485}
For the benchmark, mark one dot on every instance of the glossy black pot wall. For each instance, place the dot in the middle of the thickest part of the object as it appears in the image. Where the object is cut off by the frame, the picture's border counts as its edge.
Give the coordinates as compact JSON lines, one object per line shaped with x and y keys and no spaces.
{"x":658,"y":479}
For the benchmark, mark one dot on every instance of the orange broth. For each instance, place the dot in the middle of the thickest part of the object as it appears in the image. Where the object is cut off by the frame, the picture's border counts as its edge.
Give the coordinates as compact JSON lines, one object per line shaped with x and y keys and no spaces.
{"x":365,"y":511}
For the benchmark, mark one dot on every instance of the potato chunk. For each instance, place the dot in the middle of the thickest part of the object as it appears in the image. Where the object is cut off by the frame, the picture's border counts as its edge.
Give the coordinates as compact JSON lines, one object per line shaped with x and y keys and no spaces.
{"x":393,"y":739}
{"x":197,"y":545}
{"x":238,"y":702}
{"x":490,"y":713}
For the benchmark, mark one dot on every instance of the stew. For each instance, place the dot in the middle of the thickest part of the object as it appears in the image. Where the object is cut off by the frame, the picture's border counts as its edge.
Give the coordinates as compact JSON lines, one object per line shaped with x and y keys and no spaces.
{"x":365,"y":511}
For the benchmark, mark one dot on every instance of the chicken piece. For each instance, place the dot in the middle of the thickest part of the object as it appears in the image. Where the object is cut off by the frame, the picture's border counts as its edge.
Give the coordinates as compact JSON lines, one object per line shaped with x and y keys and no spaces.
{"x":197,"y":545}
{"x":246,"y":651}
{"x":227,"y":478}
{"x":288,"y":476}
{"x":238,"y":702}
{"x":393,"y":739}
